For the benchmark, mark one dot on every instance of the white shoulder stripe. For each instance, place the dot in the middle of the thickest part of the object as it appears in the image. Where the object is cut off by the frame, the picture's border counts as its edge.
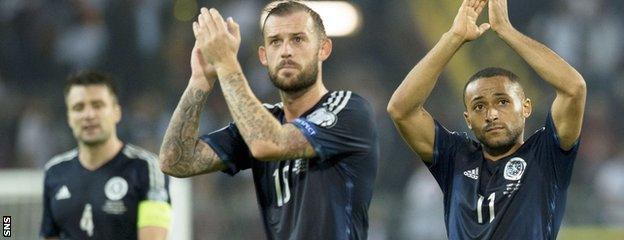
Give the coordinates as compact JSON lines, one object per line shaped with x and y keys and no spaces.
{"x":335,"y":103}
{"x":330,"y":99}
{"x":63,"y":157}
{"x":343,"y":103}
{"x":156,"y":177}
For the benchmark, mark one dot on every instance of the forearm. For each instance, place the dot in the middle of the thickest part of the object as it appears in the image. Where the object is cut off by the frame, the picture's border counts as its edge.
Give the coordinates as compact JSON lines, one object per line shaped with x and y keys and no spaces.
{"x":548,"y":65}
{"x":180,"y":153}
{"x":257,"y":126}
{"x":419,"y":82}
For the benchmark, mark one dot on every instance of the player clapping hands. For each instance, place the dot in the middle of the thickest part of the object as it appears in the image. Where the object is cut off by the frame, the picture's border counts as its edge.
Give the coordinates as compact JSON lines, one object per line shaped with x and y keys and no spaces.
{"x":217,"y":39}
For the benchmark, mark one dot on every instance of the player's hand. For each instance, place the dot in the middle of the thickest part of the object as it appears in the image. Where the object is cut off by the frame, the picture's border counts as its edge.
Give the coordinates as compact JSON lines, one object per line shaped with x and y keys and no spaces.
{"x":200,"y":69}
{"x":465,"y":23}
{"x":217,"y":39}
{"x":498,"y":15}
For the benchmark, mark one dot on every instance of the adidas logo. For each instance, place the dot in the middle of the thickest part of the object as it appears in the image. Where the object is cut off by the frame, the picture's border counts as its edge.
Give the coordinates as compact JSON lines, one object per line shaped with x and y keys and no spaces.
{"x":473,"y":173}
{"x":62,"y":193}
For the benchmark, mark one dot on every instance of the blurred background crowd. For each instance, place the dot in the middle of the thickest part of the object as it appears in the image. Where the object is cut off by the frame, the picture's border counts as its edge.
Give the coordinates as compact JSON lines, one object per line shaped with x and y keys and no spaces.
{"x":146,"y":45}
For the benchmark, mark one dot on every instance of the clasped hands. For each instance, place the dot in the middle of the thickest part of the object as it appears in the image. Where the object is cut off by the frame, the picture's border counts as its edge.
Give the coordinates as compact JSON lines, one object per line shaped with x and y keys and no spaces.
{"x":465,"y":23}
{"x":216,"y":44}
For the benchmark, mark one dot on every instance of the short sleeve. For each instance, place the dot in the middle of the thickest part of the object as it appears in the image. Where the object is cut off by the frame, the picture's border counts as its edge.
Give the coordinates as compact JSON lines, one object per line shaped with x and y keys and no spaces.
{"x":562,"y":160}
{"x":154,"y":203}
{"x":344,"y":126}
{"x":229,"y":145}
{"x":154,"y":184}
{"x":445,"y":148}
{"x":48,"y":226}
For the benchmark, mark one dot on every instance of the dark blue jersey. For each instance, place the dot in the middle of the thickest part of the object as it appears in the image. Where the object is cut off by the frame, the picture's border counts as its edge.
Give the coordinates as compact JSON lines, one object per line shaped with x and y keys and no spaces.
{"x":521,"y":196}
{"x":103,"y":203}
{"x":326,"y":197}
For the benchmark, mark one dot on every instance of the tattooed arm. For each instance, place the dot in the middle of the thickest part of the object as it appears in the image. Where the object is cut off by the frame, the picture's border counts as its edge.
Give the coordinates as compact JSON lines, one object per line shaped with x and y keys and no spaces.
{"x":182,"y":154}
{"x":266,"y":138}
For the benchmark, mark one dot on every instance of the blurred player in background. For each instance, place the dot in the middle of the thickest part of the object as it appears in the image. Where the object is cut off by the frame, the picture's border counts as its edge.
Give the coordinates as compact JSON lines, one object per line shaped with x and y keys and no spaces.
{"x":313,"y":156}
{"x":104,"y":189}
{"x":501,"y":186}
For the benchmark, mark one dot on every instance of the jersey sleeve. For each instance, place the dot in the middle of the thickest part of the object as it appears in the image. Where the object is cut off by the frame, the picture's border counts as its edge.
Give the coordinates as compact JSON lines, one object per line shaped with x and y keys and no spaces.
{"x":48,"y":226}
{"x":229,"y":145}
{"x":445,"y":147}
{"x":562,"y":160}
{"x":153,"y":184}
{"x":154,"y":208}
{"x":343,"y":126}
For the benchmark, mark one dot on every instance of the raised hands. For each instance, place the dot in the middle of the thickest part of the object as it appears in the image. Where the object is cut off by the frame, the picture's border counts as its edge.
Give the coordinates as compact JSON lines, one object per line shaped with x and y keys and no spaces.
{"x":201,"y":70}
{"x":465,"y":23}
{"x":498,"y":15}
{"x":216,"y":39}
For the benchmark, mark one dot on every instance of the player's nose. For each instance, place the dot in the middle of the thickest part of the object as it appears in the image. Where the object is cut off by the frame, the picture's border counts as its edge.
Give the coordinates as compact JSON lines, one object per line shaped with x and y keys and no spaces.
{"x":286,"y":50}
{"x":88,"y":113}
{"x":491,"y":115}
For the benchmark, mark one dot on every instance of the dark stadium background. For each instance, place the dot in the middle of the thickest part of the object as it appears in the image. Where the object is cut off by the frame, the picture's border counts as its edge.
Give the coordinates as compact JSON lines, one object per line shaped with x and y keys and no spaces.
{"x":146,"y":45}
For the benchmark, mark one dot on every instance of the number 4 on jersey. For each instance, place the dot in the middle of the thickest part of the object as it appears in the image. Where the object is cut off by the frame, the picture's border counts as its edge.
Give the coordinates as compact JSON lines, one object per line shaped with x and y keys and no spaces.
{"x":86,"y":221}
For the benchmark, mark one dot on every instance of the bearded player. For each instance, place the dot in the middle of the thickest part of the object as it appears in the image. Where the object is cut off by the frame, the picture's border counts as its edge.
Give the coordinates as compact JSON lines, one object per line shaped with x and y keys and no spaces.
{"x":313,"y":156}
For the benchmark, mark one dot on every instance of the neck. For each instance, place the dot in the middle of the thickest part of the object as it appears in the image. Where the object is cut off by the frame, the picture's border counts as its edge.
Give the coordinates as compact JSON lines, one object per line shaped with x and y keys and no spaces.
{"x":94,"y":156}
{"x":495,"y":154}
{"x":297,"y":103}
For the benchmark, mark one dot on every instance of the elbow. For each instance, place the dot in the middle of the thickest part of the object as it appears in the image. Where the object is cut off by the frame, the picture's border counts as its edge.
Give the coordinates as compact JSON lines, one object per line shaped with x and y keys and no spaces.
{"x":164,"y":162}
{"x":581,"y":87}
{"x":263,"y":152}
{"x":393,"y":111}
{"x":396,"y":111}
{"x":577,"y":89}
{"x":172,"y":173}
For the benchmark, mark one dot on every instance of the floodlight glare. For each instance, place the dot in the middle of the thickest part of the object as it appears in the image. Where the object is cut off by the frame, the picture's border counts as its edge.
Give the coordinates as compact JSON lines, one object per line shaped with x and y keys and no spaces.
{"x":340,"y":18}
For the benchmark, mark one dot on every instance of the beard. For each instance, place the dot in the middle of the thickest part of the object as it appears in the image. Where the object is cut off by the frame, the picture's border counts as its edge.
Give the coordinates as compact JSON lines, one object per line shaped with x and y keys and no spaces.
{"x":296,"y":82}
{"x":100,"y":139}
{"x":501,"y":143}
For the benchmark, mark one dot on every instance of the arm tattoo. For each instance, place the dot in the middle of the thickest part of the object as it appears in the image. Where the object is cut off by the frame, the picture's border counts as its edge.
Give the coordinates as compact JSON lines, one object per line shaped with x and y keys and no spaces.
{"x":182,"y":153}
{"x":256,"y":124}
{"x":297,"y":146}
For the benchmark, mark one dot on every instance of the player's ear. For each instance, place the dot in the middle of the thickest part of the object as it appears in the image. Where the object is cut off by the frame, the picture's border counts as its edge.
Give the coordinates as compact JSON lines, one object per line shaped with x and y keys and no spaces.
{"x":117,"y":109}
{"x":262,"y":55}
{"x":325,"y":49}
{"x":467,"y":120}
{"x":527,"y":108}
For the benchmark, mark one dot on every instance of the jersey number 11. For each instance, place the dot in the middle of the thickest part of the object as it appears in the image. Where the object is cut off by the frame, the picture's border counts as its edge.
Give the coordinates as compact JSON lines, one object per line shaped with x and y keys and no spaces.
{"x":490,"y":205}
